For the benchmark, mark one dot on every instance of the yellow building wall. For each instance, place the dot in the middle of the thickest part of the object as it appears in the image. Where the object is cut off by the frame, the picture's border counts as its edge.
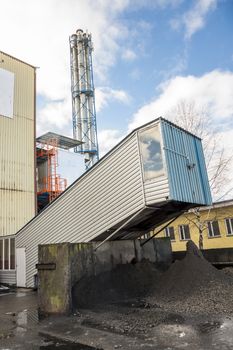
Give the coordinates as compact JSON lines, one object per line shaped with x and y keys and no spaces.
{"x":17,"y":150}
{"x":219,"y":214}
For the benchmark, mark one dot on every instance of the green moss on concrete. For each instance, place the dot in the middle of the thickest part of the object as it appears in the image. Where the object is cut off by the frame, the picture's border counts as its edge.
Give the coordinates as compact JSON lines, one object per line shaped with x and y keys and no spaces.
{"x":57,"y":303}
{"x":52,"y":250}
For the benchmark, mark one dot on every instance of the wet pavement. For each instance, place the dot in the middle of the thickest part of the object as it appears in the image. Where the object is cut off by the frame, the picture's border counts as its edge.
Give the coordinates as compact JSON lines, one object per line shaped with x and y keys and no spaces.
{"x":20,"y":327}
{"x":21,"y":330}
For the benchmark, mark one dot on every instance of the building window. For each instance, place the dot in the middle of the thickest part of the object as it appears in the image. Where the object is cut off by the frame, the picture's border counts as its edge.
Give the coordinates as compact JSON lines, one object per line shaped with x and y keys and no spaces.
{"x":184,"y":232}
{"x":1,"y":254}
{"x":213,"y":228}
{"x":229,"y":226}
{"x":7,"y":254}
{"x":170,"y":232}
{"x":12,"y":253}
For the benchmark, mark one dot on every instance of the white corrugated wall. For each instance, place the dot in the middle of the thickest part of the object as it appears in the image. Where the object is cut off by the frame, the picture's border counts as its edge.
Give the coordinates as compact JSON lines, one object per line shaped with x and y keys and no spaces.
{"x":156,"y":190}
{"x":8,"y":277}
{"x":110,"y":192}
{"x":17,"y":152}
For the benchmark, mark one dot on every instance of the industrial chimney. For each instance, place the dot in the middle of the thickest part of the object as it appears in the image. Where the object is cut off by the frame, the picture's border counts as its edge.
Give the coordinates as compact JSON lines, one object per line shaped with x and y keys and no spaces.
{"x":83,"y":98}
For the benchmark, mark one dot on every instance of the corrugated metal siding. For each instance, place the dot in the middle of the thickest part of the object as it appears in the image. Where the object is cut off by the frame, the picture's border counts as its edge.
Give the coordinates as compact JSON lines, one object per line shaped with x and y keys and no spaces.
{"x":107,"y":194}
{"x":8,"y":277}
{"x":182,"y":150}
{"x":156,"y":190}
{"x":203,"y":173}
{"x":17,"y":168}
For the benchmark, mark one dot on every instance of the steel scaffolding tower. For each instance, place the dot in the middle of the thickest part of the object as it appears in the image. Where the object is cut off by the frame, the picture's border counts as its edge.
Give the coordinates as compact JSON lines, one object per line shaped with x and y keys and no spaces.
{"x":83,"y":98}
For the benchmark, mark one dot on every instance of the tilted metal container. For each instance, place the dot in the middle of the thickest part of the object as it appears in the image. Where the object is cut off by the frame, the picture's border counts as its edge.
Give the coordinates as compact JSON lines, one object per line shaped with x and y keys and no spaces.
{"x":152,"y":175}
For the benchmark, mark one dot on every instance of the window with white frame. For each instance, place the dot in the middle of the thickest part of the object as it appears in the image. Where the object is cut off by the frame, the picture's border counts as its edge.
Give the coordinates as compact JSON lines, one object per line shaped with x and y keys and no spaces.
{"x":170,"y":232}
{"x":213,"y":228}
{"x":184,"y":232}
{"x":229,"y":226}
{"x":7,"y":254}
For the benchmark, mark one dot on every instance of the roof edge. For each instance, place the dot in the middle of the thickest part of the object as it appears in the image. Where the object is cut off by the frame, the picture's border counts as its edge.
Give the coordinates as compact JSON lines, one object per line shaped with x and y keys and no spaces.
{"x":17,"y":59}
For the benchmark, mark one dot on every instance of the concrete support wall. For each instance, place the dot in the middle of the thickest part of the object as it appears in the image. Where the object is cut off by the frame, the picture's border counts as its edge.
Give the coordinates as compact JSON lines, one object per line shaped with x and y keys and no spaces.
{"x":62,"y":265}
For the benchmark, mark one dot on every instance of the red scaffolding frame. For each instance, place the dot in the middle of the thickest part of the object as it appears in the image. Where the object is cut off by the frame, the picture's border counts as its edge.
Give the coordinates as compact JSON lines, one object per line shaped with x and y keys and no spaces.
{"x":52,"y":184}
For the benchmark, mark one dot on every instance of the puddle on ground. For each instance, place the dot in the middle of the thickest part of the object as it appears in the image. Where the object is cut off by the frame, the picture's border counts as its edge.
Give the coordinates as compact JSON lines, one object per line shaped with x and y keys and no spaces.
{"x":173,"y":333}
{"x":52,"y":345}
{"x":208,"y":327}
{"x":27,"y":318}
{"x":207,"y":335}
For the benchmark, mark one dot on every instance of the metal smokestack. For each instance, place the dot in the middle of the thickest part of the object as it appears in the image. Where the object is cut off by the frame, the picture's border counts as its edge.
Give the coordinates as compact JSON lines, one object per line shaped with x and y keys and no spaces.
{"x":83,"y":99}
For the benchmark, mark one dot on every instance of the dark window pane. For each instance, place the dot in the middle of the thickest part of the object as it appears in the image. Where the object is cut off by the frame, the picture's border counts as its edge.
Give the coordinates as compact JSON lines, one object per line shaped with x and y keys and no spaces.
{"x":187,"y":232}
{"x":172,"y":233}
{"x":1,"y":254}
{"x":12,"y":257}
{"x":216,"y":228}
{"x":169,"y":232}
{"x":184,"y":232}
{"x":6,"y":254}
{"x":228,"y":224}
{"x":181,"y":232}
{"x":210,"y":229}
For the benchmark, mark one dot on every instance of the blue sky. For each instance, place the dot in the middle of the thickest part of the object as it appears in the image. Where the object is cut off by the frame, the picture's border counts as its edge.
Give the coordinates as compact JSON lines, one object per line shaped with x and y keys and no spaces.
{"x":148,"y":56}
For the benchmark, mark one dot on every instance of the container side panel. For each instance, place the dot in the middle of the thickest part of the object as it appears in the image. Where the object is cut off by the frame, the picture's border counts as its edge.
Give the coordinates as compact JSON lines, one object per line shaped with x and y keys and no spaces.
{"x":156,"y":190}
{"x":109,"y":193}
{"x":203,"y":172}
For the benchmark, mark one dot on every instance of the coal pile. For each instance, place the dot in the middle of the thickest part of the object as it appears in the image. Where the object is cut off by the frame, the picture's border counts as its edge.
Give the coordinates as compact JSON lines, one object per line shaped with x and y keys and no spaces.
{"x":194,"y":285}
{"x":190,"y":286}
{"x":187,"y":276}
{"x":124,"y":282}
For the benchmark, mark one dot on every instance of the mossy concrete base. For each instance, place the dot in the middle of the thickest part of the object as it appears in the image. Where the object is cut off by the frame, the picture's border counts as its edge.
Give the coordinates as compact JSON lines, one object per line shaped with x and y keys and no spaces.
{"x":62,"y":265}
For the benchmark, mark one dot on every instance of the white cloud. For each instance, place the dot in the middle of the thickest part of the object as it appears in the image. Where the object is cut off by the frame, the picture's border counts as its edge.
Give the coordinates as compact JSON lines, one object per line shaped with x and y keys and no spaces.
{"x":194,"y":19}
{"x":43,"y":38}
{"x":105,"y":94}
{"x":214,"y":90}
{"x":129,"y":55}
{"x":55,"y":115}
{"x":38,"y":33}
{"x":108,"y":139}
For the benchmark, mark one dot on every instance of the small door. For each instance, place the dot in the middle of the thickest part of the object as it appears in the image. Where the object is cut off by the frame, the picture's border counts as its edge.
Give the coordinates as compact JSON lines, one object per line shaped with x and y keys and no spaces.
{"x":21,"y":267}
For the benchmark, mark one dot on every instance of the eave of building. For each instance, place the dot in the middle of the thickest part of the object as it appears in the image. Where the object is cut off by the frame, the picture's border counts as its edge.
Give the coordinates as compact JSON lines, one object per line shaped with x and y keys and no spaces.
{"x":17,"y":59}
{"x":222,"y":204}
